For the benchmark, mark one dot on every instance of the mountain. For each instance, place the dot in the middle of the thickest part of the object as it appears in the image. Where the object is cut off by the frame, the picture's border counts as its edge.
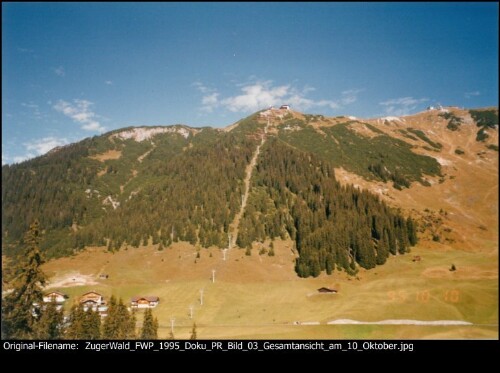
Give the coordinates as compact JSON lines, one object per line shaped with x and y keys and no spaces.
{"x":348,"y":191}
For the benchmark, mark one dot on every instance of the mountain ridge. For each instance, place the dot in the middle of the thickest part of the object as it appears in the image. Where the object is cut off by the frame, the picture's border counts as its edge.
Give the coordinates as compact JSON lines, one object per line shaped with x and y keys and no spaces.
{"x":97,"y":190}
{"x":229,"y":127}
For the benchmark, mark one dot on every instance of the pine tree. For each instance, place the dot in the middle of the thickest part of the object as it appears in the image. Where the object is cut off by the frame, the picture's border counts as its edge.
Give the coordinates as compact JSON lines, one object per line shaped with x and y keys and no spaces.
{"x":91,"y":325}
{"x":402,"y":235}
{"x":130,"y":325}
{"x":314,"y":266}
{"x":119,"y":324}
{"x":76,"y":321}
{"x":149,"y":327}
{"x":383,"y":249}
{"x":330,"y":264}
{"x":190,"y":235}
{"x":412,"y":231}
{"x":50,"y":324}
{"x":271,"y":249}
{"x":193,"y":332}
{"x":111,"y":322}
{"x":19,"y":315}
{"x":365,"y":255}
{"x":122,"y":321}
{"x":156,"y":325}
{"x":392,"y":241}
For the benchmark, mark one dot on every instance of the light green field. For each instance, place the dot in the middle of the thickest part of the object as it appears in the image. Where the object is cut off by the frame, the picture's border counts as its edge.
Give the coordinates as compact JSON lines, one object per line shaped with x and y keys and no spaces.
{"x":261,"y":297}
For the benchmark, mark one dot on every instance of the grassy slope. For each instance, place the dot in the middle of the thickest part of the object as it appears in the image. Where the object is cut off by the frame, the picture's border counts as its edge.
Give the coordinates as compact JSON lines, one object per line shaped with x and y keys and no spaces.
{"x":261,"y":297}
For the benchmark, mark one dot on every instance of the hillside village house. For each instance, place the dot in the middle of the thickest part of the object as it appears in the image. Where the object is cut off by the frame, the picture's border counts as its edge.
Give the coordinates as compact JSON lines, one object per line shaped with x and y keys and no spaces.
{"x":285,"y":107}
{"x":144,"y":302}
{"x":55,"y":296}
{"x":92,"y":300}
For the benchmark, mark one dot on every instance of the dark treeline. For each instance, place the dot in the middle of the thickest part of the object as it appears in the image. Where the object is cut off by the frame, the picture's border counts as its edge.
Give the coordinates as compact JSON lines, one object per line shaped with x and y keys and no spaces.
{"x":188,"y":188}
{"x":295,"y":194}
{"x":190,"y":197}
{"x":48,"y":188}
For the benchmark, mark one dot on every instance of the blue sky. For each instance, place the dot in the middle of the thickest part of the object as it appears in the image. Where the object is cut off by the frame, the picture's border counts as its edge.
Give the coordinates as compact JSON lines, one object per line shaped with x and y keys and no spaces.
{"x":71,"y":71}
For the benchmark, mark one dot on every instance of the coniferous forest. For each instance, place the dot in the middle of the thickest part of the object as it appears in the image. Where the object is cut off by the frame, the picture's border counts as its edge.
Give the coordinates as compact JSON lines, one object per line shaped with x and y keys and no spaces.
{"x":186,"y":185}
{"x":296,"y":195}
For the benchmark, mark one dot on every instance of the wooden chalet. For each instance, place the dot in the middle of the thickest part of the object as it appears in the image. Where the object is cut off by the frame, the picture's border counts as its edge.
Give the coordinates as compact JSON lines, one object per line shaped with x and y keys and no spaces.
{"x":55,"y":296}
{"x":92,"y":300}
{"x":144,"y":302}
